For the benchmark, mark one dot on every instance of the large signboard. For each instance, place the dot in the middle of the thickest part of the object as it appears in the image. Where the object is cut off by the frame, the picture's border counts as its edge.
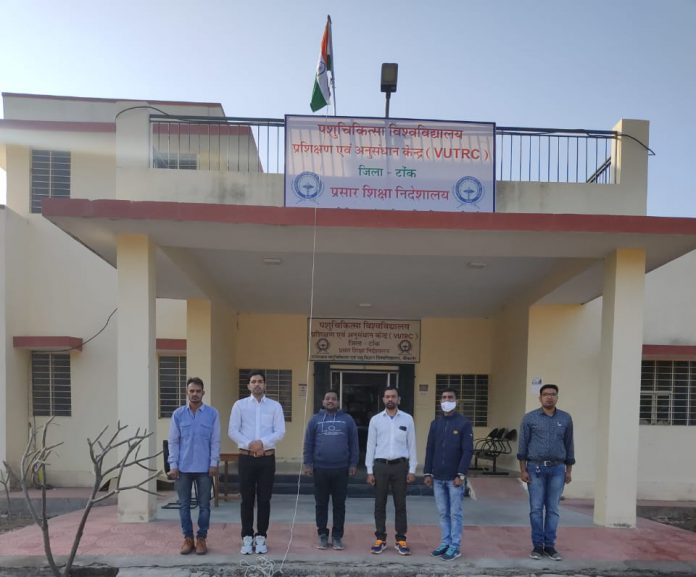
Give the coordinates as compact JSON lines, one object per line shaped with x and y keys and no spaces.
{"x":365,"y":340}
{"x":389,"y":164}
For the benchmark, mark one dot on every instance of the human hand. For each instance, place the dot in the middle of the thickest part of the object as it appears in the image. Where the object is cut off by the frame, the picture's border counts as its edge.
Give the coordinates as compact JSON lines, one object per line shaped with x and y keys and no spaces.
{"x":410,"y":478}
{"x":307,"y":470}
{"x":524,"y":476}
{"x":212,"y":472}
{"x":173,"y":473}
{"x":371,"y":480}
{"x":352,"y":471}
{"x":428,"y":480}
{"x":256,"y":448}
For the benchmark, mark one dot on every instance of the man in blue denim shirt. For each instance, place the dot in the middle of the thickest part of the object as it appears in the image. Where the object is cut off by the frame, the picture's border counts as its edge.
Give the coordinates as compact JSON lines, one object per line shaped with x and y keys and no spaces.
{"x":546,"y":458}
{"x":447,"y":455}
{"x":194,"y":452}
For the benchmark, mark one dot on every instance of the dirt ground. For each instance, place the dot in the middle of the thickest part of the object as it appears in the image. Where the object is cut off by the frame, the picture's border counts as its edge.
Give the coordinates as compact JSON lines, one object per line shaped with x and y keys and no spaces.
{"x":15,"y":520}
{"x":682,"y":517}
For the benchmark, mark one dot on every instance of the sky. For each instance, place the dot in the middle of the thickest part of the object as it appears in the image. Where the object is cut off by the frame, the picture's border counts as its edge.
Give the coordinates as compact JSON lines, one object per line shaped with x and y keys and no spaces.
{"x":531,"y":63}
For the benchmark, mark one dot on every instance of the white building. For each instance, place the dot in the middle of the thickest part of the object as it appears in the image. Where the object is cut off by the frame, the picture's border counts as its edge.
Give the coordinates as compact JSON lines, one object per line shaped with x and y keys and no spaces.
{"x":175,"y":216}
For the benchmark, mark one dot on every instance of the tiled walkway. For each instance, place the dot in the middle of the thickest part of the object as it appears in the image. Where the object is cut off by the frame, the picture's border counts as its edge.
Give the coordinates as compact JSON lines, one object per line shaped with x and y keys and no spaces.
{"x":496,"y":531}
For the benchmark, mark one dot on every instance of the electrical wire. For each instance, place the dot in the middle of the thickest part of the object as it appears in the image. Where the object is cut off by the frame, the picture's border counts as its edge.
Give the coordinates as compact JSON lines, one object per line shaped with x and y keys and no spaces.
{"x":94,"y":336}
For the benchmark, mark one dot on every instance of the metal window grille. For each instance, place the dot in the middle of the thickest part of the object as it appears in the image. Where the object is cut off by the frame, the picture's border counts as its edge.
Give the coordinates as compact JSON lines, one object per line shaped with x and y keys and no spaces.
{"x":50,"y":176}
{"x":50,"y":384}
{"x":472,"y":396}
{"x":172,"y":384}
{"x":278,"y":387}
{"x":171,"y":160}
{"x":668,"y":393}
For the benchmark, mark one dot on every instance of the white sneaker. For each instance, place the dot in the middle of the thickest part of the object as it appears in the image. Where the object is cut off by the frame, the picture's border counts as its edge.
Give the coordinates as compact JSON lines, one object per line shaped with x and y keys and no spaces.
{"x":260,"y":543}
{"x":247,"y":545}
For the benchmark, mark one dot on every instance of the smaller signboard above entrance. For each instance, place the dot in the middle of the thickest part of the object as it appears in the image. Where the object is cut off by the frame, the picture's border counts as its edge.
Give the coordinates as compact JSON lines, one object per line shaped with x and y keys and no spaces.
{"x":365,"y":340}
{"x":389,"y":164}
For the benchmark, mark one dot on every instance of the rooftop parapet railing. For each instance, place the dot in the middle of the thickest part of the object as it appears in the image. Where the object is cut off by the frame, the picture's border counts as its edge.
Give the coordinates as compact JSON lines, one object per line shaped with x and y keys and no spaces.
{"x":258,"y":145}
{"x":554,"y":155}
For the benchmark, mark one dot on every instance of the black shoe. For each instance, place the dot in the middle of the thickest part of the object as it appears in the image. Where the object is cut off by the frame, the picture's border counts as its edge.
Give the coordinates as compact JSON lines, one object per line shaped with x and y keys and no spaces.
{"x":551,"y":553}
{"x":537,"y":553}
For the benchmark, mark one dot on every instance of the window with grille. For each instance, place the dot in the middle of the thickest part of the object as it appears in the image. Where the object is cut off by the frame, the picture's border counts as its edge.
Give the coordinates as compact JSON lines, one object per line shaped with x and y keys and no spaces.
{"x":172,"y":384}
{"x":668,"y":393}
{"x":50,"y":176}
{"x":174,"y":160}
{"x":472,"y":396}
{"x":278,"y":387}
{"x":50,"y":384}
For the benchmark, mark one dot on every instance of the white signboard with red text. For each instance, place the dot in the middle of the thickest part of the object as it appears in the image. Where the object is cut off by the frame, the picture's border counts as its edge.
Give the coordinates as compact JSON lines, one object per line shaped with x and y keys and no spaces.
{"x":389,"y":164}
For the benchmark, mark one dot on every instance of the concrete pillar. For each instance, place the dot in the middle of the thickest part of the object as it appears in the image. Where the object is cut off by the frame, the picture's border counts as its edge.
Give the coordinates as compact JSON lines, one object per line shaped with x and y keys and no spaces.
{"x":629,"y":158}
{"x":132,"y":148}
{"x":619,"y":392}
{"x":4,"y":405}
{"x":209,"y":349}
{"x":137,"y":363}
{"x":199,"y":341}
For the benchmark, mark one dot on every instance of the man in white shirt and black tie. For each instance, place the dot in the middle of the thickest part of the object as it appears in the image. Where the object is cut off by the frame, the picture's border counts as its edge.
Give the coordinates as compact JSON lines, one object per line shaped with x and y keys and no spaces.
{"x":256,"y":425}
{"x":391,"y":463}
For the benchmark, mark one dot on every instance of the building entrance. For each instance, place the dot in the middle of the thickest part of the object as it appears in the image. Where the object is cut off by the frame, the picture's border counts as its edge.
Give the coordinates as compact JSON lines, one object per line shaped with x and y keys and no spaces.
{"x":360,"y":395}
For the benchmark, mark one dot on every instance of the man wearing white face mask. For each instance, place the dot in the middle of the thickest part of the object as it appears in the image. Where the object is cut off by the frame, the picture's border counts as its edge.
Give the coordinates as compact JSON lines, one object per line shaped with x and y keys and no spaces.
{"x":447,"y":455}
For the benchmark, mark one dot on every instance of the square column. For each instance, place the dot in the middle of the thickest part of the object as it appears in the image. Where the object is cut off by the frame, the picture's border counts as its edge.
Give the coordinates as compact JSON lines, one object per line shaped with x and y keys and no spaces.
{"x":136,"y":364}
{"x":209,"y":349}
{"x":619,"y":389}
{"x":199,"y":341}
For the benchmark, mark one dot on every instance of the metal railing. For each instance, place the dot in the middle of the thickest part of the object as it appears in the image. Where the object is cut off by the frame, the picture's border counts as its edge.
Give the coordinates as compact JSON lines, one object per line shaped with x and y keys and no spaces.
{"x":554,"y":155}
{"x":224,"y":144}
{"x":258,"y":145}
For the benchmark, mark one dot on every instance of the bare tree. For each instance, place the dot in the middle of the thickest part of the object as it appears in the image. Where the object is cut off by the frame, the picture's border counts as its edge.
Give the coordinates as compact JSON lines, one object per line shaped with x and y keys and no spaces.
{"x":6,"y":477}
{"x":101,"y":451}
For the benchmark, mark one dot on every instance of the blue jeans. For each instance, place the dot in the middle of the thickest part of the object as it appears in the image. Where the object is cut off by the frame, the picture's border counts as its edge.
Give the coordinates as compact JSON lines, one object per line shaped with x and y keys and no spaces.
{"x":203,"y":483}
{"x":545,"y":490}
{"x":448,"y":499}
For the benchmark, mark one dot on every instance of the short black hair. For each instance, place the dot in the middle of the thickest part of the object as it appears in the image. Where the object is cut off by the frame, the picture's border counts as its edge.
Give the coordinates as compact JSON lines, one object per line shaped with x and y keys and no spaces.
{"x":333,"y":391}
{"x":449,"y":390}
{"x":548,"y":386}
{"x":195,"y":381}
{"x":258,"y":372}
{"x":391,"y":388}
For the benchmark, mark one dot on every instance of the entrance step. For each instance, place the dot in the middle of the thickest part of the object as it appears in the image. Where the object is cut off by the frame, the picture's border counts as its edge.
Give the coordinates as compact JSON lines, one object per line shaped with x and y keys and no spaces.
{"x":286,"y":484}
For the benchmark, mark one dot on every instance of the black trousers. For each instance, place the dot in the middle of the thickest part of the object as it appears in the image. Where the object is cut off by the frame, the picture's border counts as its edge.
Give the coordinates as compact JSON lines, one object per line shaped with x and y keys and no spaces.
{"x":330,"y":483}
{"x":390,"y":477}
{"x":256,"y":476}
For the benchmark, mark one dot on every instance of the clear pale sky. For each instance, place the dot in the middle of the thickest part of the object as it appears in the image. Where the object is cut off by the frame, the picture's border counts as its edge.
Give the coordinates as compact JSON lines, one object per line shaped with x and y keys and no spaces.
{"x":535,"y":63}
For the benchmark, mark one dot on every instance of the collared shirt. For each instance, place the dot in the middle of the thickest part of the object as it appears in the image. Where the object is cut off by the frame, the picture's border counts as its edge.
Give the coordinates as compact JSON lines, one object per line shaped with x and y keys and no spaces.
{"x":194,"y":439}
{"x":546,"y":437}
{"x":252,"y":420}
{"x":391,"y":438}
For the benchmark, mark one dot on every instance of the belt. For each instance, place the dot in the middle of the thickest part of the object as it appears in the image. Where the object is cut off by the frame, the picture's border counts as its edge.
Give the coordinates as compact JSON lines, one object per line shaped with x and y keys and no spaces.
{"x":266,"y":453}
{"x":547,"y":463}
{"x":392,"y":461}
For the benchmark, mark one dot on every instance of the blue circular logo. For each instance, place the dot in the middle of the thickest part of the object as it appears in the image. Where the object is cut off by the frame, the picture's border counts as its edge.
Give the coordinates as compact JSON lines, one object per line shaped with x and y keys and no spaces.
{"x":468,"y":190}
{"x":307,"y":185}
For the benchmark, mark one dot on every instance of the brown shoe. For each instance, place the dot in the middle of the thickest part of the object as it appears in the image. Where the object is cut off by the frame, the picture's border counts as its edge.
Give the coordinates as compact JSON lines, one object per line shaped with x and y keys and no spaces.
{"x":188,"y":546}
{"x":201,"y":547}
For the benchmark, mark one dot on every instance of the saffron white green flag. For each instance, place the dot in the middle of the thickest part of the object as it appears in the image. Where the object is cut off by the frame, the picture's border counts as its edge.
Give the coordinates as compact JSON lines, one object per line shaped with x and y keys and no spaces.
{"x":321,"y":95}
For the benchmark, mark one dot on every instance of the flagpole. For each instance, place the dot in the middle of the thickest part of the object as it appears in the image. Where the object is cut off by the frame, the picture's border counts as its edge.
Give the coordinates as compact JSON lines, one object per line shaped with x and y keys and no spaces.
{"x":333,"y":64}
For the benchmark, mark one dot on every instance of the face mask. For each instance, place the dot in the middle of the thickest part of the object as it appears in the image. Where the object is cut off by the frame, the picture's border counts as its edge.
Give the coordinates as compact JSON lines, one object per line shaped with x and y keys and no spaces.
{"x":448,"y":406}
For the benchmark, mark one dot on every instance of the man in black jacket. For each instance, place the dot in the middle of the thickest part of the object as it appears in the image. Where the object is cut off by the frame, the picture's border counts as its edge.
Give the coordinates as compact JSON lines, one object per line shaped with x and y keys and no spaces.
{"x":447,"y":455}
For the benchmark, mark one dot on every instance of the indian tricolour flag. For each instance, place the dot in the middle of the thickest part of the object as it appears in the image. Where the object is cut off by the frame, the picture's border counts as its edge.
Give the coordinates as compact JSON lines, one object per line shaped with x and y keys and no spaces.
{"x":321,"y":95}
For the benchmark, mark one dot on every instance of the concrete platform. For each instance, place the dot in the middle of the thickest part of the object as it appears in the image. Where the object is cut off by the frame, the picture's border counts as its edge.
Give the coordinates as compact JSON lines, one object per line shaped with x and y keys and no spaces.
{"x":496,"y":537}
